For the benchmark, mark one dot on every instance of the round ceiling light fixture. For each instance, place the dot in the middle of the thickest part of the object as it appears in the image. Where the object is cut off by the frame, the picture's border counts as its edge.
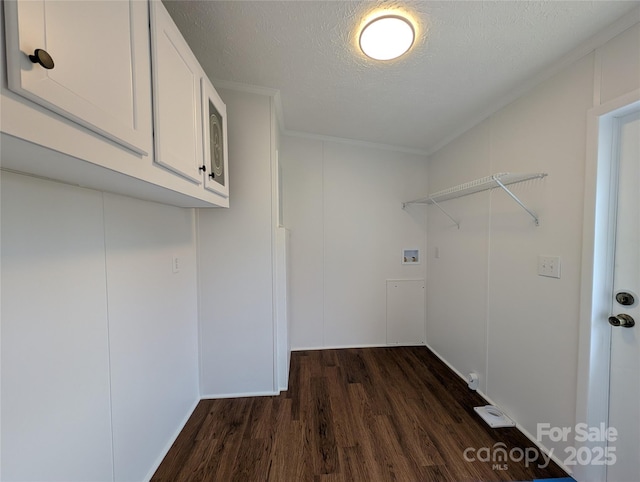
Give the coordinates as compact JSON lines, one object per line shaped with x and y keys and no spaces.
{"x":387,"y":37}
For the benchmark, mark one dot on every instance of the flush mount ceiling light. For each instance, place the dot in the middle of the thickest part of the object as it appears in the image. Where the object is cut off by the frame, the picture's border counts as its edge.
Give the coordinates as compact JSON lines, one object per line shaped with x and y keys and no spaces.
{"x":387,"y":37}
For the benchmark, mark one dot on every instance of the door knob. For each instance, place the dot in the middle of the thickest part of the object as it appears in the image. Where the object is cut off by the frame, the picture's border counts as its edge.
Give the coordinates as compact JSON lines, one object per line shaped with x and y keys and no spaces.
{"x":625,"y":299}
{"x":41,"y":57}
{"x":623,"y":320}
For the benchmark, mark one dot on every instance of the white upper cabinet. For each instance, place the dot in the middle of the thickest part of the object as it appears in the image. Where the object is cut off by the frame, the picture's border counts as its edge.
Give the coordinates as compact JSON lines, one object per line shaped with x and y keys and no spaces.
{"x":87,"y":61}
{"x":177,"y":105}
{"x":214,"y":123}
{"x":106,"y":94}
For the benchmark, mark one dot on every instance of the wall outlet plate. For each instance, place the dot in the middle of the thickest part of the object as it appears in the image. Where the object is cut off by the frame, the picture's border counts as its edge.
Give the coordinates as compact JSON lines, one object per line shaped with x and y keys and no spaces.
{"x":175,"y":264}
{"x":549,"y":266}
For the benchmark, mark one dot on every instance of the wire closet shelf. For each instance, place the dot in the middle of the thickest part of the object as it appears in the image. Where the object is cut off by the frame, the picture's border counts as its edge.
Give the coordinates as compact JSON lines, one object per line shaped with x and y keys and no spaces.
{"x":500,"y":180}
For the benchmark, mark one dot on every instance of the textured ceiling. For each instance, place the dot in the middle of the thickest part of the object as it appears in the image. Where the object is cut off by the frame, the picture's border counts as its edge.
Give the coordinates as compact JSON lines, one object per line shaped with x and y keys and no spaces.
{"x":468,"y":56}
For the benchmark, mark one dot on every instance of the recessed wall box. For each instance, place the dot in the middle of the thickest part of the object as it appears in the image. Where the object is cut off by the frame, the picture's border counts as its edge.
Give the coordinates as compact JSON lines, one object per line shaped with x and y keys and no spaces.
{"x":410,"y":256}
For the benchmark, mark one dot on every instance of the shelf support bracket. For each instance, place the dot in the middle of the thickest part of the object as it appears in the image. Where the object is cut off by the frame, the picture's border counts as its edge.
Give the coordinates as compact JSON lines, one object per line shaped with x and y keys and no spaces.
{"x":445,"y":212}
{"x":515,"y":198}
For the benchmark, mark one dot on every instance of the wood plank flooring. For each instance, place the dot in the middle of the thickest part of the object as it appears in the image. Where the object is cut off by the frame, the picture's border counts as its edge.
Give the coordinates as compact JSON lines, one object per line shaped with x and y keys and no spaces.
{"x":372,"y":414}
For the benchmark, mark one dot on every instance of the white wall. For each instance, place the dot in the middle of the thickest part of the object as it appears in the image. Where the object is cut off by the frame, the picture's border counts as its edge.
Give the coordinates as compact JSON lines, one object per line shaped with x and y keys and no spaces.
{"x":617,"y":69}
{"x":99,"y":337}
{"x":236,"y":270}
{"x":153,"y":334}
{"x":343,"y":204}
{"x":488,"y":310}
{"x":56,"y":422}
{"x":457,"y":280}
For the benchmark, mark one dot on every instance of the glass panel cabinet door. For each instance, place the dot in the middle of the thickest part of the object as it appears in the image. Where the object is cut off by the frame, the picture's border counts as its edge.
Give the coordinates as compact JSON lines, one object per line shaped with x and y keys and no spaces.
{"x":215,"y":140}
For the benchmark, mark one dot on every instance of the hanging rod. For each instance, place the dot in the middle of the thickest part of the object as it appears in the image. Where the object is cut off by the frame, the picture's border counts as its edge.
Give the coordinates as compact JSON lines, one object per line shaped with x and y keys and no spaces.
{"x":500,"y":180}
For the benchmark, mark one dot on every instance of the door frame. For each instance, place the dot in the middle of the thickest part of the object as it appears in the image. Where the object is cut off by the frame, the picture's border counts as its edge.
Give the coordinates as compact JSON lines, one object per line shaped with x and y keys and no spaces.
{"x":594,"y":343}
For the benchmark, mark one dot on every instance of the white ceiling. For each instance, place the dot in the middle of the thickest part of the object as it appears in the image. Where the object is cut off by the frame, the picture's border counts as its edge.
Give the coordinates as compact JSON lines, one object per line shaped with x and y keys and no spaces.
{"x":469,"y":57}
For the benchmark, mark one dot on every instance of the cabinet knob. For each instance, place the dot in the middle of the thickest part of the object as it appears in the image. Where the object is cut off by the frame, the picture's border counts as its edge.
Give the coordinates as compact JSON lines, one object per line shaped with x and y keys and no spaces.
{"x":212,"y":175}
{"x":43,"y":58}
{"x":202,"y":168}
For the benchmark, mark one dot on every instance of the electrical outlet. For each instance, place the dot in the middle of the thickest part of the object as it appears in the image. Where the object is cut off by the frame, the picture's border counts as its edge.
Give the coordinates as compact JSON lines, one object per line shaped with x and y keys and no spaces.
{"x":175,"y":265}
{"x":549,"y":266}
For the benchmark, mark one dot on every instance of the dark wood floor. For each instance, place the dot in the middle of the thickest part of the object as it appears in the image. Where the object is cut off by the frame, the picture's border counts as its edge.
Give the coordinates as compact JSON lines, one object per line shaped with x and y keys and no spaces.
{"x":371,"y":414}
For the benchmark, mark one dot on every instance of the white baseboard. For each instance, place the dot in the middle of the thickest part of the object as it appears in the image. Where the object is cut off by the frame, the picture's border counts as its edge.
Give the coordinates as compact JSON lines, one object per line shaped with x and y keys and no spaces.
{"x":270,"y":394}
{"x":451,"y":367}
{"x":164,"y":453}
{"x":215,"y":396}
{"x":540,"y":446}
{"x":341,"y":347}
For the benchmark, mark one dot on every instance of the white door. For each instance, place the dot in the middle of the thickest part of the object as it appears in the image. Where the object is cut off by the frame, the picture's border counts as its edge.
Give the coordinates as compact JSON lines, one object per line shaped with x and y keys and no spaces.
{"x":94,"y":64}
{"x":624,"y":396}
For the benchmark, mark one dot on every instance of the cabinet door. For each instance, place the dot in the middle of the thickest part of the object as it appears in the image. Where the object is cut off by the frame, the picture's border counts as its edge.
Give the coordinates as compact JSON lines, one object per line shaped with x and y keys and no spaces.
{"x":100,"y":77}
{"x":214,"y":122}
{"x":176,"y":99}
